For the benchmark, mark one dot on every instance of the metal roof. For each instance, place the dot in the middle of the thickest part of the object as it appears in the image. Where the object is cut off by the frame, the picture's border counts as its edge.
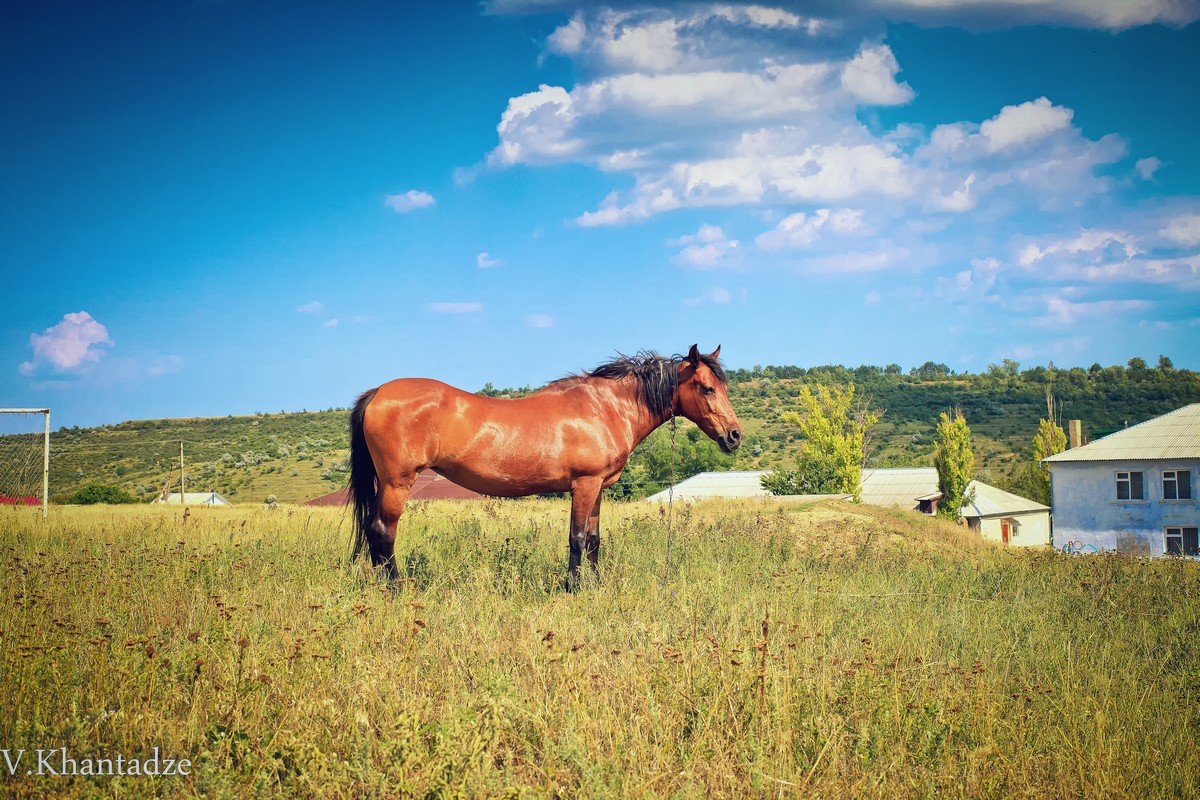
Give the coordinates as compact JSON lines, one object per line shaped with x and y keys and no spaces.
{"x":195,"y":499}
{"x":993,"y":502}
{"x":1174,"y":435}
{"x":884,"y":486}
{"x":880,"y":486}
{"x":716,"y":484}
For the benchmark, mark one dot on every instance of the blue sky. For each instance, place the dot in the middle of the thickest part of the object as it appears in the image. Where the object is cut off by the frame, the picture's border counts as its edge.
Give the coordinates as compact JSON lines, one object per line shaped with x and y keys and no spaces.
{"x":226,"y":207}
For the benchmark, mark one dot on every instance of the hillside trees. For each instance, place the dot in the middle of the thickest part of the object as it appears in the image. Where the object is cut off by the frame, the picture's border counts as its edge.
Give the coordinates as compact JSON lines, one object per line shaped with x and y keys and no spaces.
{"x":94,"y":493}
{"x":835,"y":430}
{"x":955,"y":462}
{"x":654,"y":463}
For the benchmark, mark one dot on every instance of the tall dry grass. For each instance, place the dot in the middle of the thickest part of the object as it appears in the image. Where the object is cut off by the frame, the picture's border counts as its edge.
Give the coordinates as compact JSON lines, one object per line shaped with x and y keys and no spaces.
{"x":822,"y":651}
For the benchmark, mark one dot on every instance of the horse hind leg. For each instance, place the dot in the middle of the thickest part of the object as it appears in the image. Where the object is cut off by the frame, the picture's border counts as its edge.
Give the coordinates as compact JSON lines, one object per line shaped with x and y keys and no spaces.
{"x":381,"y":535}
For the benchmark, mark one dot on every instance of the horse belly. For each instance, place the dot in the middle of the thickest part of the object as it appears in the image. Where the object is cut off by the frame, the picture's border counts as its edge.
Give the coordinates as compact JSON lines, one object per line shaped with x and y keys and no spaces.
{"x":519,"y":460}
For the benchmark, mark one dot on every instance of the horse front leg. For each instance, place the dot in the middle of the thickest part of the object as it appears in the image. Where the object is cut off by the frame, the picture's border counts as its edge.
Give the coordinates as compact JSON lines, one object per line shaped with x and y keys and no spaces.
{"x":585,"y":495}
{"x":592,"y":540}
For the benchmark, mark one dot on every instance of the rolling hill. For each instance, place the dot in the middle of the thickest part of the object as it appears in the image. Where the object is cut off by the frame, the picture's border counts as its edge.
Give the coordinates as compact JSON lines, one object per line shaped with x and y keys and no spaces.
{"x":301,"y":455}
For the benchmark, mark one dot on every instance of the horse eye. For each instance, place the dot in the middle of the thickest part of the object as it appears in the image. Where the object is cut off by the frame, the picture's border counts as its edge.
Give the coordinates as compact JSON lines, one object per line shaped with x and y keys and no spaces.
{"x":707,"y":390}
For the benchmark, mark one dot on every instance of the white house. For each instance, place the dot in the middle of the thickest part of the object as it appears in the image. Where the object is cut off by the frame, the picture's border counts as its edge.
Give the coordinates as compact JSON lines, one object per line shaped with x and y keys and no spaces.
{"x":194,"y":499}
{"x":1132,"y":491}
{"x":1006,"y":518}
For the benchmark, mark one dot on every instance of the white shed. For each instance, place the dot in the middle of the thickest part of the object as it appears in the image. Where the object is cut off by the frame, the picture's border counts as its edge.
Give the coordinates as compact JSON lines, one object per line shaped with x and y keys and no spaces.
{"x":1006,"y":518}
{"x":194,"y":499}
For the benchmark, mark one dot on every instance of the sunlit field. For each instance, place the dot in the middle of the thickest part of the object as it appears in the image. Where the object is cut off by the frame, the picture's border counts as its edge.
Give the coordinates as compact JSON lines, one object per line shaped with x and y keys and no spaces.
{"x":823,"y":651}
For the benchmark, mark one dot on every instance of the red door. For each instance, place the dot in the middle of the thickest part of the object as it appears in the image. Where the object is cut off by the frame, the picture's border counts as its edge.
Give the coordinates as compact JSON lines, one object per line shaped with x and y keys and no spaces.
{"x":1005,"y":530}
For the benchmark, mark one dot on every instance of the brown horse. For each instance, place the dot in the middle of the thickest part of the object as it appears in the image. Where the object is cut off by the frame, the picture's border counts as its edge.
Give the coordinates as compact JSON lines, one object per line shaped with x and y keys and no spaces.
{"x":574,"y":435}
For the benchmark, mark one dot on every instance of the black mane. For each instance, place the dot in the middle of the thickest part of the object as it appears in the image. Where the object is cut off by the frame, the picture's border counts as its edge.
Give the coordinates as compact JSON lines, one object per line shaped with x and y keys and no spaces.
{"x":657,"y":376}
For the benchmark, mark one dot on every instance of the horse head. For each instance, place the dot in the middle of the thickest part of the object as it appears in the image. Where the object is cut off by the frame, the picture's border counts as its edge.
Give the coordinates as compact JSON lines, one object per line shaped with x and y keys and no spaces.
{"x":703,"y":398}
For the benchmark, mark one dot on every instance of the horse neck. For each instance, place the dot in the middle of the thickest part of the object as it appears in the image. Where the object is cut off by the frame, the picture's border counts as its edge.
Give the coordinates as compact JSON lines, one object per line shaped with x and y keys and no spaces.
{"x":628,"y":403}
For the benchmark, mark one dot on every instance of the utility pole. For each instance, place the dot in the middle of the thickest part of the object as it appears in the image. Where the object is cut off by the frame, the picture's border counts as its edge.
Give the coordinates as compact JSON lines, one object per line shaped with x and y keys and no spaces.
{"x":182,"y":483}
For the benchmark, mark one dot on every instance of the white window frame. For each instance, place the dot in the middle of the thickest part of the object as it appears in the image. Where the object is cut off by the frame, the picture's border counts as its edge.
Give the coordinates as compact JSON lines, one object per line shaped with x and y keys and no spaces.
{"x":1174,"y":473}
{"x":1178,"y":534}
{"x":1128,"y":473}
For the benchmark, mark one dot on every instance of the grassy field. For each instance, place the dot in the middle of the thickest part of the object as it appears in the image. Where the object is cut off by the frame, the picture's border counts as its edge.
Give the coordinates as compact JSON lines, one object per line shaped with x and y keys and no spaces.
{"x":821,"y":651}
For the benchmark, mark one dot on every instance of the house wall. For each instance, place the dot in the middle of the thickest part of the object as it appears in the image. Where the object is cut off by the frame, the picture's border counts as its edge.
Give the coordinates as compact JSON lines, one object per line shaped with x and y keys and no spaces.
{"x":1032,"y":529}
{"x":1088,"y":515}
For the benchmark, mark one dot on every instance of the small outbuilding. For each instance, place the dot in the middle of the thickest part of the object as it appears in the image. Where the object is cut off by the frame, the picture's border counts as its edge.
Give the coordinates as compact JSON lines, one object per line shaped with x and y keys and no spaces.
{"x":1006,"y":518}
{"x":193,"y":499}
{"x":914,"y":488}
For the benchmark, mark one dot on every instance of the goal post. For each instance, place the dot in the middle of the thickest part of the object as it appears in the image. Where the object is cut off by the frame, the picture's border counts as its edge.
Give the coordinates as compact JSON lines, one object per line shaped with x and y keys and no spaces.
{"x":25,"y":457}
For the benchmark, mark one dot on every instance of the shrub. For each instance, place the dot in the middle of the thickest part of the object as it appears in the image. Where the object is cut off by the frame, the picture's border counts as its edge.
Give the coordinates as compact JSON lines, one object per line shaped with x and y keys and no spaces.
{"x":101,"y":493}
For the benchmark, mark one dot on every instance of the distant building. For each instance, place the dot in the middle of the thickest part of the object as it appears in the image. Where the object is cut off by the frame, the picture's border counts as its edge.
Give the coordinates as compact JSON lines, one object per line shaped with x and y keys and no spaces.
{"x":914,"y":488}
{"x":1133,"y":491}
{"x":428,"y":486}
{"x":1006,"y":518}
{"x":194,"y":499}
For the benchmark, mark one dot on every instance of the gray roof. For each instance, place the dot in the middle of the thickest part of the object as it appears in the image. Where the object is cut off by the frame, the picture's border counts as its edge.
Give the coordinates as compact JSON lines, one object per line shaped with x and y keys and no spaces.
{"x":883,"y":486}
{"x":993,"y":502}
{"x":880,"y":486}
{"x":194,"y":499}
{"x":716,"y":484}
{"x":1171,"y":436}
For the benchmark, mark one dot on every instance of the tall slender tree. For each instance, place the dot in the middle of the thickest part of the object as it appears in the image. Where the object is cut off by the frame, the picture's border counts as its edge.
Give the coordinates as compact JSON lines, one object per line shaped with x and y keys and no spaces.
{"x":955,"y":462}
{"x":1050,"y":439}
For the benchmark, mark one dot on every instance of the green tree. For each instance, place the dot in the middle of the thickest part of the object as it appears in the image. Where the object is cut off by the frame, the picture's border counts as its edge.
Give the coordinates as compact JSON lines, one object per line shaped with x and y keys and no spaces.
{"x":1050,"y":439}
{"x":94,"y":493}
{"x":835,"y":431}
{"x":654,"y":463}
{"x":954,"y":461}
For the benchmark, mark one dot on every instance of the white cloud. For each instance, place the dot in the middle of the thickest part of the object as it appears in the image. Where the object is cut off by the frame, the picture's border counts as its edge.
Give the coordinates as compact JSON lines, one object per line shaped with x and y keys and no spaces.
{"x":165,"y":365}
{"x":1097,"y":245}
{"x":536,"y":128}
{"x":332,"y":322}
{"x":1063,"y":312}
{"x":1021,"y":125}
{"x":539,"y":321}
{"x":801,"y":230}
{"x":568,"y":39}
{"x":1147,"y":168}
{"x":411,"y":200}
{"x":651,"y":46}
{"x":1184,"y":230}
{"x":456,"y":308}
{"x":705,"y":249}
{"x":1114,"y":15}
{"x":485,"y":261}
{"x":73,"y":345}
{"x":871,"y":78}
{"x":716,"y":296}
{"x":313,"y":307}
{"x":872,"y":298}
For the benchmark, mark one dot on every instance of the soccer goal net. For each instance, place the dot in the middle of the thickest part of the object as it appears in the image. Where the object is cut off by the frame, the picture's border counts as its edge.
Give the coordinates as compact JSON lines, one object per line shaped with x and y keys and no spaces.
{"x":25,"y":457}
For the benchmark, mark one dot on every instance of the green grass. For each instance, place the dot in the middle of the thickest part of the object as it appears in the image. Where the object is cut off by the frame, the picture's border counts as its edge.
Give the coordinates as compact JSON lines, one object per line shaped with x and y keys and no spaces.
{"x":827,"y":650}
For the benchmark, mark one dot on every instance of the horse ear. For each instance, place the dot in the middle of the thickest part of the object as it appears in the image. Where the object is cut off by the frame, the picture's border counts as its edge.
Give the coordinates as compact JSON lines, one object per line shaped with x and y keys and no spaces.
{"x":716,"y":353}
{"x":694,"y":356}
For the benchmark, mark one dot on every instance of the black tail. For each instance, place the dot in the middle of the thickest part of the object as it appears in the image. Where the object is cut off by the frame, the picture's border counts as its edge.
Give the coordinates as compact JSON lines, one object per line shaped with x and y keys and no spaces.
{"x":362,"y":476}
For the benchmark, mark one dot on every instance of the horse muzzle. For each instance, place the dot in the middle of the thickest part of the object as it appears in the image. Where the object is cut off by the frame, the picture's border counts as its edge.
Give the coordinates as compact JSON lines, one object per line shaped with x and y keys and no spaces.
{"x":731,"y":441}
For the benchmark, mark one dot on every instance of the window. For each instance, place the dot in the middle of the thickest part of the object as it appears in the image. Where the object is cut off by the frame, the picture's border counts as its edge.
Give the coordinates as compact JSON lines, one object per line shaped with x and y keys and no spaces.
{"x":1177,"y":484}
{"x":1129,"y":486}
{"x":1182,"y":542}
